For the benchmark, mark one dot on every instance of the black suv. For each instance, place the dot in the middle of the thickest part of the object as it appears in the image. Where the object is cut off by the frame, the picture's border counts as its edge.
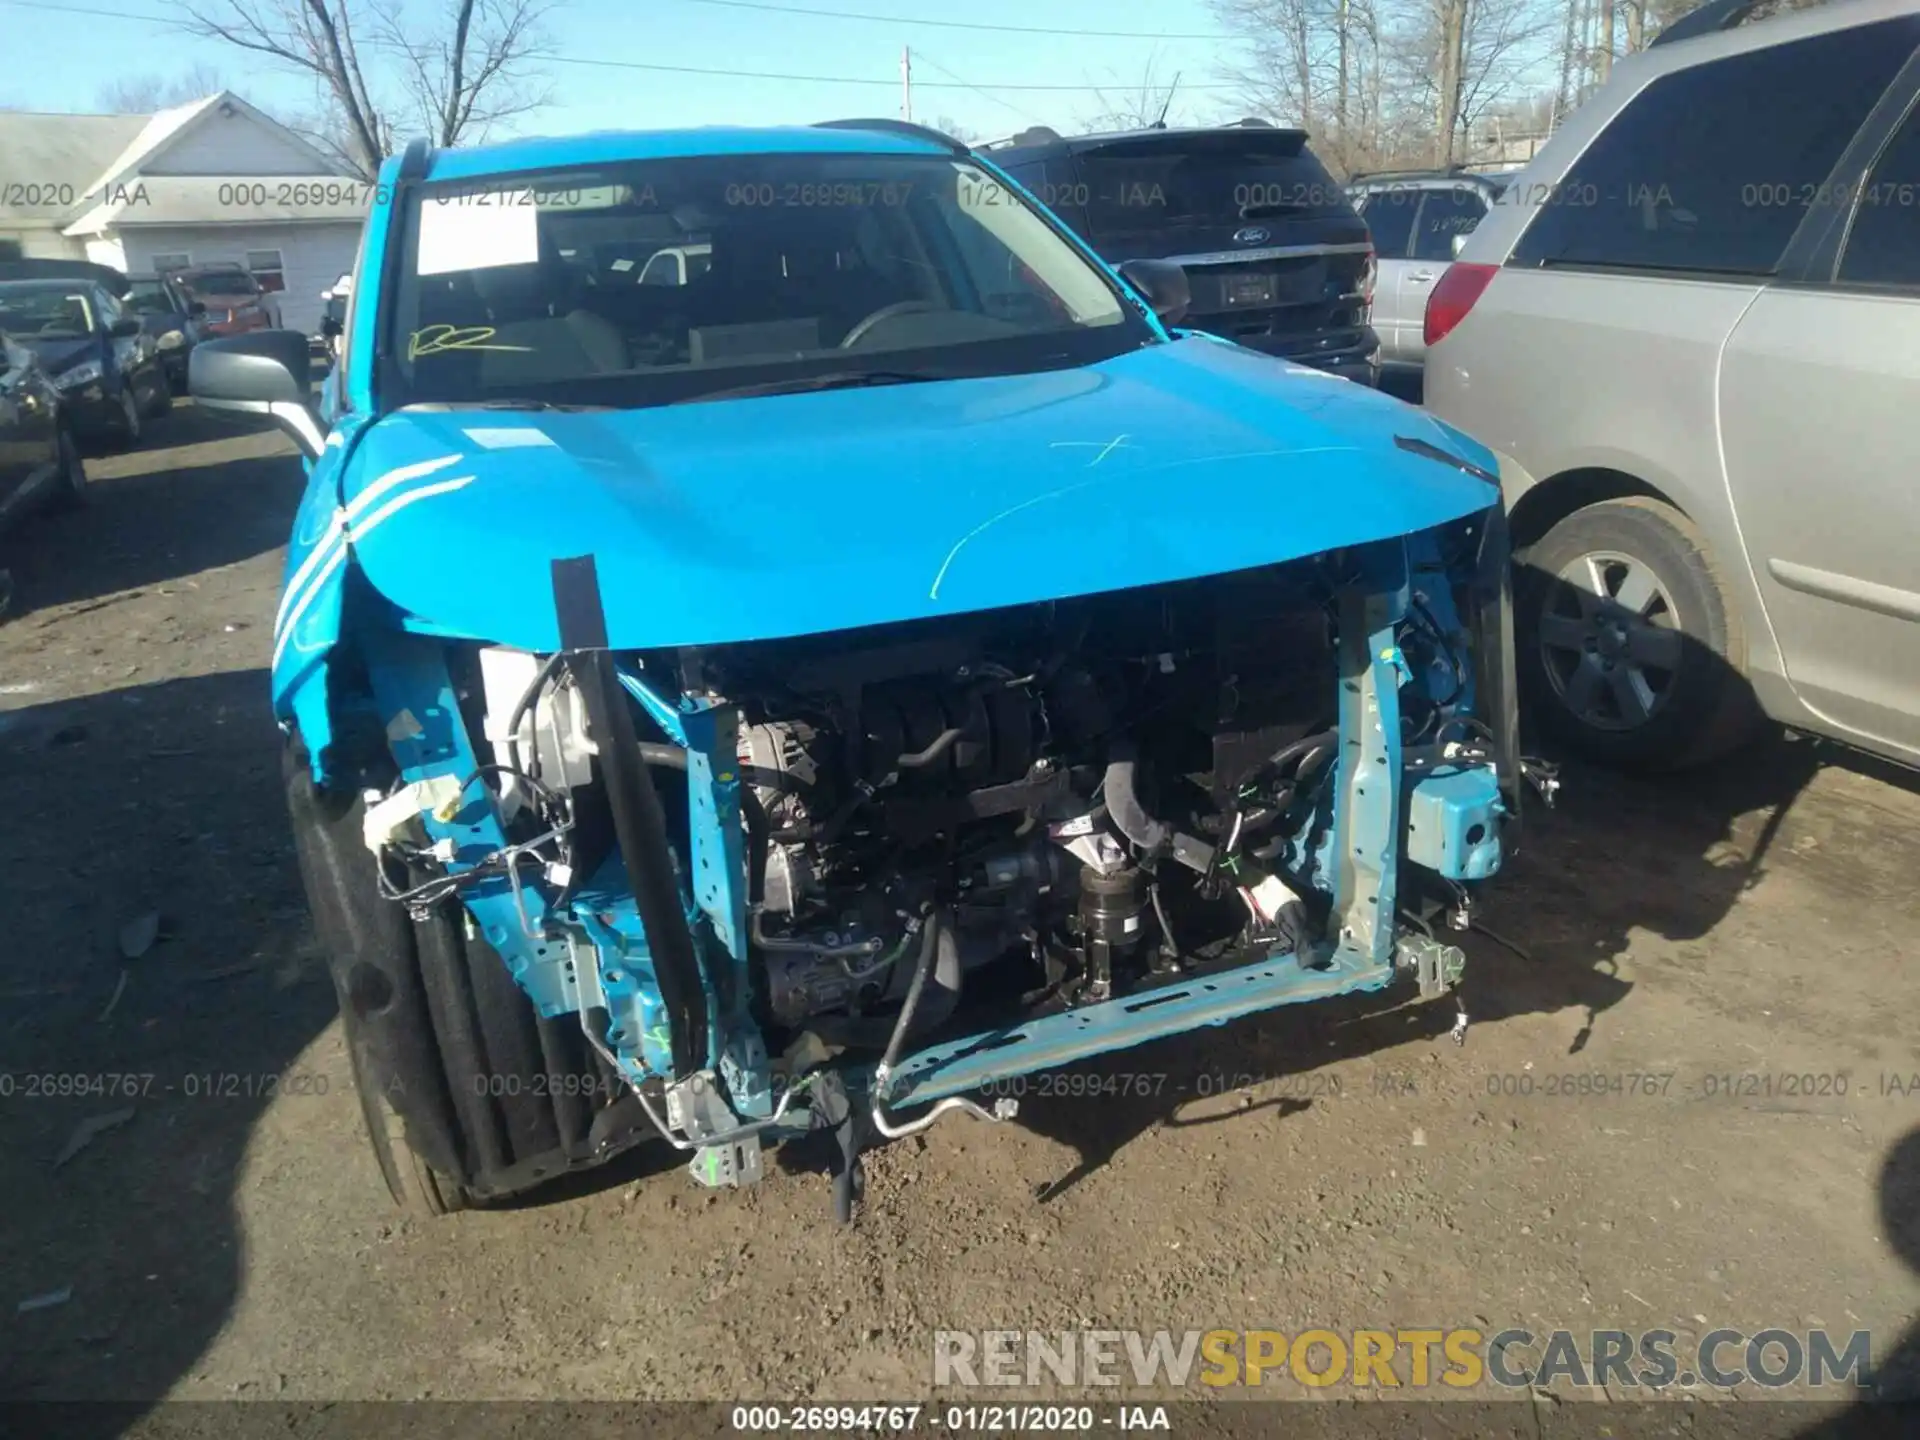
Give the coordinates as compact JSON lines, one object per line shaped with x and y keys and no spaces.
{"x":1275,"y":254}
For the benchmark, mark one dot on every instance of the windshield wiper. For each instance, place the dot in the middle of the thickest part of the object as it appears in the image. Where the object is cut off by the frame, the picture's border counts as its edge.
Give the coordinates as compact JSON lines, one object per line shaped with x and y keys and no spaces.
{"x":832,"y":380}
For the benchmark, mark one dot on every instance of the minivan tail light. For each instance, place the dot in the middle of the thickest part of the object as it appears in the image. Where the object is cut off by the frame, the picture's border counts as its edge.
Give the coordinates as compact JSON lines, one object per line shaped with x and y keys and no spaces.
{"x":1454,"y":296}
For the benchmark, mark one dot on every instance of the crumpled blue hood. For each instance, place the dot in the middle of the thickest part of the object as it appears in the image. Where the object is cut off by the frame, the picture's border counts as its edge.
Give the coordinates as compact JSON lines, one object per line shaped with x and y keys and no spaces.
{"x":797,"y":514}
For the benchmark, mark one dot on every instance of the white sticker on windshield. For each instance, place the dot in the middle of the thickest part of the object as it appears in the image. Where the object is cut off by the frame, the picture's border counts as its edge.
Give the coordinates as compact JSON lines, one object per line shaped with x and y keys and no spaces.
{"x":516,"y":437}
{"x":478,"y":232}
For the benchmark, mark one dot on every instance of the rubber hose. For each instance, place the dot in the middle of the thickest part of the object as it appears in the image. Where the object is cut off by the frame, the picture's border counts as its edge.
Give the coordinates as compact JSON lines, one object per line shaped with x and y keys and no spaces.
{"x":922,"y":971}
{"x":1299,"y":750}
{"x":943,"y":742}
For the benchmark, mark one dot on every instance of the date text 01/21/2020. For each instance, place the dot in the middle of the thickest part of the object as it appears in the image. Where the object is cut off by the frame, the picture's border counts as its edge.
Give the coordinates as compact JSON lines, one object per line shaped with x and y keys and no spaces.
{"x":964,"y":1419}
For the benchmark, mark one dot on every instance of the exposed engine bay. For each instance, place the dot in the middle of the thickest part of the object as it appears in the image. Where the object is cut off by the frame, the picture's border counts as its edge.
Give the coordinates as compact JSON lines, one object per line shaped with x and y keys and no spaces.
{"x":779,"y":882}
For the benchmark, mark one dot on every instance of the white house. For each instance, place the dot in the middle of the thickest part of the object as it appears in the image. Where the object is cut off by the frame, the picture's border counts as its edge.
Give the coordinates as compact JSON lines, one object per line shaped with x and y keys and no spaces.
{"x":214,"y":181}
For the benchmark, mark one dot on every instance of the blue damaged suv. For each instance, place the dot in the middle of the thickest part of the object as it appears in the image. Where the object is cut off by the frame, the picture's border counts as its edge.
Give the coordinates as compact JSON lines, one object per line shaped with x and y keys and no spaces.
{"x":797,"y":691}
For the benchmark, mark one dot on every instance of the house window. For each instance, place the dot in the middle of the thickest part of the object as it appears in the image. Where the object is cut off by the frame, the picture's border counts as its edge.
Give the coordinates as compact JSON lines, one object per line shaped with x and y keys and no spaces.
{"x":164,"y":262}
{"x":266,"y":268}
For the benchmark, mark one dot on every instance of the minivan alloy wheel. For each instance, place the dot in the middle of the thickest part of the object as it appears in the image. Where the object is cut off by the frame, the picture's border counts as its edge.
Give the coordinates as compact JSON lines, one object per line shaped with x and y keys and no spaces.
{"x":1609,"y":641}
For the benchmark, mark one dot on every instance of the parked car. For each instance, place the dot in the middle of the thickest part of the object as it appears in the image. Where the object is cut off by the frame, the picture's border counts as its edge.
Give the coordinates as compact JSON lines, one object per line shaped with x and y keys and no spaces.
{"x":1276,"y":258}
{"x":175,"y":320}
{"x":1697,"y":332}
{"x":676,"y":265}
{"x":40,"y":462}
{"x":895,"y":662}
{"x":234,"y":299}
{"x":106,"y":367}
{"x":323,"y":345}
{"x":1418,"y":219}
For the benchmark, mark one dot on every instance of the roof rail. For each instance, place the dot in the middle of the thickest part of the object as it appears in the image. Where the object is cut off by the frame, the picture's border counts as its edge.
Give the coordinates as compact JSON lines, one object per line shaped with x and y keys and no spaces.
{"x":898,"y":127}
{"x":1714,"y":16}
{"x":1411,"y":172}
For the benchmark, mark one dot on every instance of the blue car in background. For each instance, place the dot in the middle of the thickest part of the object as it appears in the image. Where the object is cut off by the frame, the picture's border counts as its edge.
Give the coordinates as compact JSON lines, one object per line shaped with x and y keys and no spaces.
{"x":176,"y":321}
{"x":808,"y":692}
{"x":73,"y":315}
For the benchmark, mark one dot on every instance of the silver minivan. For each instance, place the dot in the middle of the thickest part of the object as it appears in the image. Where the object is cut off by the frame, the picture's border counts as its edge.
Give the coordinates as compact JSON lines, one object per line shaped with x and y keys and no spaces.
{"x":1418,"y":220}
{"x":1692,"y":331}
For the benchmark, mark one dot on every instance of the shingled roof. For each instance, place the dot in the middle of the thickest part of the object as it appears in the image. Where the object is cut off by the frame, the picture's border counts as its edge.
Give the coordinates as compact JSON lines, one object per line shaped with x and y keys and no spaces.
{"x":50,"y":159}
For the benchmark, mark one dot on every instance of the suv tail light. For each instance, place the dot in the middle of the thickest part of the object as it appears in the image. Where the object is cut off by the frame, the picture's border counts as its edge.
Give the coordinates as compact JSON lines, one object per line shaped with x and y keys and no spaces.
{"x":1454,"y":296}
{"x":1368,"y":275}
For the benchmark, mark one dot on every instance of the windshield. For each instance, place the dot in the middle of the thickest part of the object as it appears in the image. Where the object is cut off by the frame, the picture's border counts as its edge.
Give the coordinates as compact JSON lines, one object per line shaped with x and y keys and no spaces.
{"x":150,"y":297}
{"x":662,"y":280}
{"x":42,"y":312}
{"x":228,"y":282}
{"x":1213,"y":180}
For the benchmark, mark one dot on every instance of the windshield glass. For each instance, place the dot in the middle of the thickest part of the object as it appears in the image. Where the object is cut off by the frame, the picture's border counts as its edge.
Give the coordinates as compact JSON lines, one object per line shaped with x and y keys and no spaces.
{"x":150,"y":297}
{"x":657,"y":281}
{"x":223,"y":282}
{"x":30,"y":312}
{"x":1214,"y":180}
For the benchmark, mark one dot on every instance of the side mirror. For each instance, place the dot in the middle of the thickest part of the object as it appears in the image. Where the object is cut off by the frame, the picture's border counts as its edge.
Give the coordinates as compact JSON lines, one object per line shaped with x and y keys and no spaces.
{"x":125,"y":328}
{"x":196,"y":307}
{"x":1459,"y":244}
{"x":1162,"y":284}
{"x":265,"y":372}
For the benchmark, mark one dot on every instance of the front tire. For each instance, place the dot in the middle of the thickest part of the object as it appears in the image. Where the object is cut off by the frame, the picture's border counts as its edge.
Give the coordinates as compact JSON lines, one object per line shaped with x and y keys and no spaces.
{"x":70,"y":488}
{"x":1630,"y":650}
{"x":162,"y":402}
{"x":128,"y":429}
{"x":468,"y":1094}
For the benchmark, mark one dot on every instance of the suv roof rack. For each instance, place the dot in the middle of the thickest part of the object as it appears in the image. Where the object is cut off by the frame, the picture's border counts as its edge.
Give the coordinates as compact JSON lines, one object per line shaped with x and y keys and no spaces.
{"x":898,"y":127}
{"x":1421,"y":172}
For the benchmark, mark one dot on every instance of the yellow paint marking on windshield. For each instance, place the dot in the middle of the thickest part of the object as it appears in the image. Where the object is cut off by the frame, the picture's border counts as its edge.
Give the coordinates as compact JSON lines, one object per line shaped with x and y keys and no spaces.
{"x":433,"y":339}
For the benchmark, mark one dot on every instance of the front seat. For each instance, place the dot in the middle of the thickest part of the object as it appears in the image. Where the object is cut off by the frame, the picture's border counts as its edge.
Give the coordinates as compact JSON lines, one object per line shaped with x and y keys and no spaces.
{"x":537,"y":308}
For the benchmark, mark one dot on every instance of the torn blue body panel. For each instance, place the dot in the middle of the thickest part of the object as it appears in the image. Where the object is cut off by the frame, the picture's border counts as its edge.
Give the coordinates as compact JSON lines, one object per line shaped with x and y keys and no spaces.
{"x":896,"y":651}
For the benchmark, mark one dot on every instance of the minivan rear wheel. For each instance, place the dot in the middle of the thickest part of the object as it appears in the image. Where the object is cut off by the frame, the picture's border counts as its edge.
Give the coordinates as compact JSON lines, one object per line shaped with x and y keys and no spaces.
{"x":1629,"y":650}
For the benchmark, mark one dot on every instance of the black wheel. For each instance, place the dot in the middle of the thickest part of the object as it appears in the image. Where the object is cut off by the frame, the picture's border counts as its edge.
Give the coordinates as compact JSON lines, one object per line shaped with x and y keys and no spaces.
{"x":162,"y":401}
{"x":127,"y":429}
{"x":1628,"y":648}
{"x":415,"y":1185}
{"x":467,"y":1093}
{"x":70,"y":487}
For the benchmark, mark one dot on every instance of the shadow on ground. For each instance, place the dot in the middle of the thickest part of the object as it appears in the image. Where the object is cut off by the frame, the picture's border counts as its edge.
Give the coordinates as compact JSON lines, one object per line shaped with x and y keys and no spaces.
{"x":152,"y":801}
{"x":132,"y":534}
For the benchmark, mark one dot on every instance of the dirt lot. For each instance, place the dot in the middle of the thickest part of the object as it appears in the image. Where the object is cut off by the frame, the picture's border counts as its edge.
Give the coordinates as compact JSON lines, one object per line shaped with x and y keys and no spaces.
{"x":1341,"y":1165}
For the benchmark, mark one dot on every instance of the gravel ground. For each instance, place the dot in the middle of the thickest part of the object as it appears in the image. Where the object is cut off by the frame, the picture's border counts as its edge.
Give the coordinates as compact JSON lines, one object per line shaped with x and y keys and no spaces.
{"x":1341,"y":1165}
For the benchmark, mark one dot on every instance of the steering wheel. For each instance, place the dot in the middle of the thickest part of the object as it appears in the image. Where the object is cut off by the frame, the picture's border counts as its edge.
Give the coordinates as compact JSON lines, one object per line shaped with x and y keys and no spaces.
{"x":885,"y":312}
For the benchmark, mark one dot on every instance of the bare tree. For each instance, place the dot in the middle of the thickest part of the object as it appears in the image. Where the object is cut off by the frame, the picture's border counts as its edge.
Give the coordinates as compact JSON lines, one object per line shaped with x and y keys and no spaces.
{"x":460,"y":76}
{"x":965,"y":134}
{"x":1137,"y":107}
{"x":144,"y":94}
{"x":1396,"y":82}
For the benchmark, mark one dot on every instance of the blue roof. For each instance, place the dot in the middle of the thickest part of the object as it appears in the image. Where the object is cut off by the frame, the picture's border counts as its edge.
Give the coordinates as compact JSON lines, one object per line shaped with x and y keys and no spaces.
{"x":602,"y":146}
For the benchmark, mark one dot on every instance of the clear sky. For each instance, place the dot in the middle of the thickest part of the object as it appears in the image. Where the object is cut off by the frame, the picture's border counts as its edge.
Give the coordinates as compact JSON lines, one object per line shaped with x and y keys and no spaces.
{"x":56,"y":57}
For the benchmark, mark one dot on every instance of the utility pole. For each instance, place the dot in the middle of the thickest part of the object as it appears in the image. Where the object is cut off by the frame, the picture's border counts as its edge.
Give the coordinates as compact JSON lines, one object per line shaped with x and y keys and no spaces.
{"x":906,"y":84}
